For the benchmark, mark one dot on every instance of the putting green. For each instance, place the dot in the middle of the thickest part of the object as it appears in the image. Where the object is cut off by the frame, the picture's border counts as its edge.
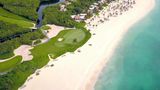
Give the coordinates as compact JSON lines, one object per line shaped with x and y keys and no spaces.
{"x":70,"y":37}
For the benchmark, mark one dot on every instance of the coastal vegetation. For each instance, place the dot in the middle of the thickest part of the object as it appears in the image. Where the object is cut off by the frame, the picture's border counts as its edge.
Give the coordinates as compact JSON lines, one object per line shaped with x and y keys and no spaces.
{"x":52,"y":14}
{"x":44,"y":27}
{"x":17,"y":19}
{"x":12,"y":36}
{"x":72,"y":39}
{"x":15,"y":29}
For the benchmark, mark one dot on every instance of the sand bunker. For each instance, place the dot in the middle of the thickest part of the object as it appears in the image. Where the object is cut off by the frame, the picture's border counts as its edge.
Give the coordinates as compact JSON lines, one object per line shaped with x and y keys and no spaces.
{"x":54,"y":30}
{"x":24,"y":51}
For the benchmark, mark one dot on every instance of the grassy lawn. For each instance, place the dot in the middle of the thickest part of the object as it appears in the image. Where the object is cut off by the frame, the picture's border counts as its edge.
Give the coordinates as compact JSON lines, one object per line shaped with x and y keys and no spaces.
{"x":21,"y":23}
{"x":7,"y":14}
{"x":72,"y":39}
{"x":14,"y":19}
{"x":7,"y":65}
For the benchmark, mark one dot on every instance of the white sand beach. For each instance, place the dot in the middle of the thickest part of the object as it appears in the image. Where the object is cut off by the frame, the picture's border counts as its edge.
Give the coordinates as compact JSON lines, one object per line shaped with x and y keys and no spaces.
{"x":80,"y":70}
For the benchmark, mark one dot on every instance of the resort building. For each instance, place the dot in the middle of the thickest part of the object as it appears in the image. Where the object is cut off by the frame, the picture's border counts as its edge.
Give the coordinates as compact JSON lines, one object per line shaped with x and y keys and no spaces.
{"x":79,"y":17}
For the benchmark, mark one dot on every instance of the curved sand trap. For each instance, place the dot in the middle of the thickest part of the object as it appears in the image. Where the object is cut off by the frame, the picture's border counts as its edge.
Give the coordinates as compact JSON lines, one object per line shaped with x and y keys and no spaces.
{"x":54,"y":30}
{"x":23,"y":51}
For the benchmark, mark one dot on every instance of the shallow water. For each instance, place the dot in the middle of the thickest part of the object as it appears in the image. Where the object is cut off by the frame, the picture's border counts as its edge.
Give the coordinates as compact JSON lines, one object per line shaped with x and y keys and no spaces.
{"x":136,"y":62}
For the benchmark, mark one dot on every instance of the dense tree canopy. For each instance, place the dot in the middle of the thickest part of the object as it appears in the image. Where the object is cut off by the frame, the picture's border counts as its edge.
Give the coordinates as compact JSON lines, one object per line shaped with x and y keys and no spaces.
{"x":53,"y":15}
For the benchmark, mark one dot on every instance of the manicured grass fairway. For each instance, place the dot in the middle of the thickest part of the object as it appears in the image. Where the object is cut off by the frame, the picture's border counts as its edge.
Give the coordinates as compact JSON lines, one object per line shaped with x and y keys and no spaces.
{"x":7,"y":65}
{"x":72,"y":39}
{"x":7,"y":14}
{"x":14,"y":19}
{"x":20,"y":23}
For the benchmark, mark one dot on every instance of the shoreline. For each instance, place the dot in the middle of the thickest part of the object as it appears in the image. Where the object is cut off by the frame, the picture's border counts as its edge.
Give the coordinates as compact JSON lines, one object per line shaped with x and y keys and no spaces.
{"x":92,"y":79}
{"x":78,"y":72}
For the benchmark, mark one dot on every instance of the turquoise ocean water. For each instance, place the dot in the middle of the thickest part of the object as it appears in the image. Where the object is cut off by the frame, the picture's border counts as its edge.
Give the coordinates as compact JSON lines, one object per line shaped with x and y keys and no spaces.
{"x":136,"y":62}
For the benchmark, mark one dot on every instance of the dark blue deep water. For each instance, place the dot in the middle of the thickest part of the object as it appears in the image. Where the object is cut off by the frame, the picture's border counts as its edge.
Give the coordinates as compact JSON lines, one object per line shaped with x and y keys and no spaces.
{"x":136,"y":62}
